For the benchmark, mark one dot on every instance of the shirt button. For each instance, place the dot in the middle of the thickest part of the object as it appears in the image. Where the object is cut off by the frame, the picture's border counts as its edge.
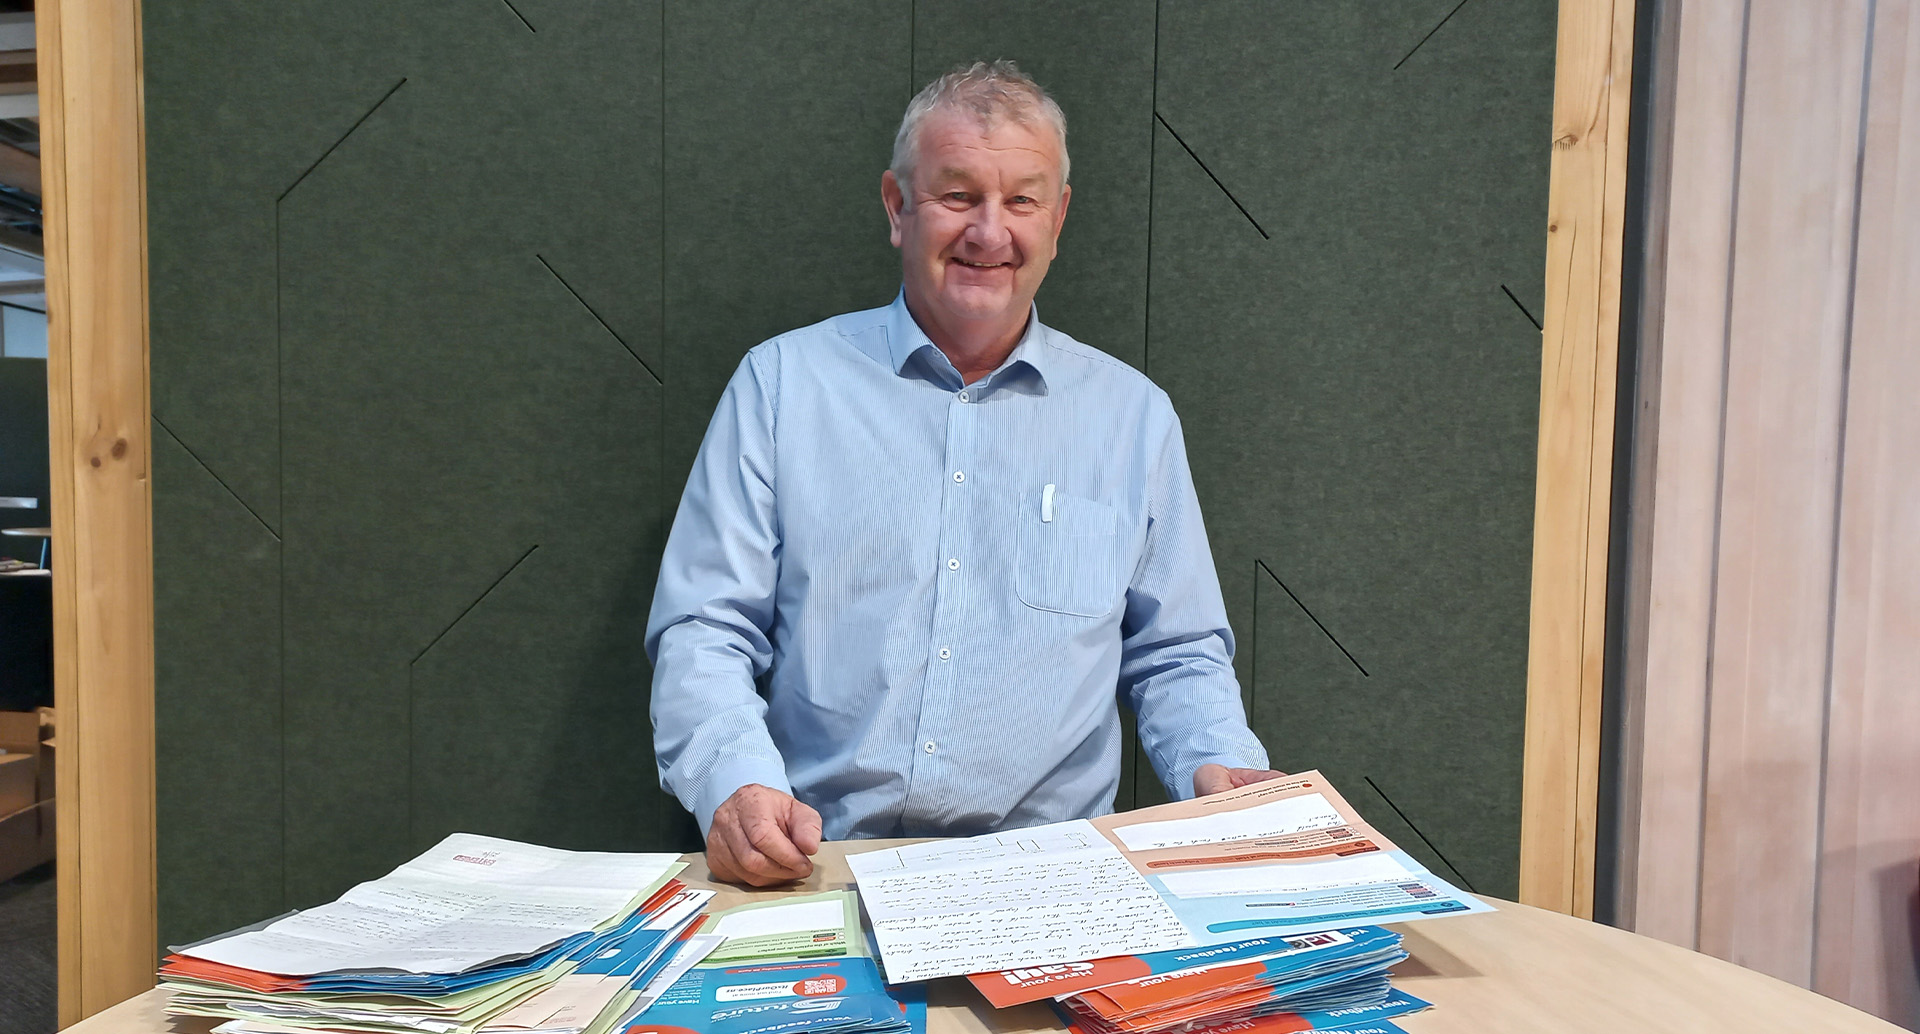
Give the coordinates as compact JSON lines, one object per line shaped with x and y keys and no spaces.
{"x":945,"y":653}
{"x":966,"y":397}
{"x":930,"y":747}
{"x":959,"y":477}
{"x":953,"y":564}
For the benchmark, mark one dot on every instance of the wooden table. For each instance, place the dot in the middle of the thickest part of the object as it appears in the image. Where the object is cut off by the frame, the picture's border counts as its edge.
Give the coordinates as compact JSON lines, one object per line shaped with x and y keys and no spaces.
{"x":1520,"y":970}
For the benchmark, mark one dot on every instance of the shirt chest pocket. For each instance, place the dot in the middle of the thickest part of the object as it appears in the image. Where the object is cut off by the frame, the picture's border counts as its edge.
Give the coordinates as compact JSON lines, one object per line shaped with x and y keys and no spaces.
{"x":1068,"y":555}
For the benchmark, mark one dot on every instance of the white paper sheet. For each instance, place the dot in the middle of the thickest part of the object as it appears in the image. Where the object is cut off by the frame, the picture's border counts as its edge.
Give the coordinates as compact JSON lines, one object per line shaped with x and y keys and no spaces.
{"x":1282,"y":879}
{"x":795,"y":918}
{"x":468,"y":901}
{"x":1031,"y":897}
{"x":697,"y":947}
{"x":1279,"y":818}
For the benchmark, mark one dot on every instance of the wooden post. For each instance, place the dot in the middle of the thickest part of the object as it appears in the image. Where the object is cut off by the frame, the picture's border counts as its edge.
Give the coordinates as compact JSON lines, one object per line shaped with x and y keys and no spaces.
{"x":1593,"y":76}
{"x":94,"y":170}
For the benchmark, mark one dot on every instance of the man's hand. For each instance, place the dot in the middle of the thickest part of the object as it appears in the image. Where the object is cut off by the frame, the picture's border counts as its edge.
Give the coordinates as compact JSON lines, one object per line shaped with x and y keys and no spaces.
{"x":761,"y":837}
{"x":1210,"y":779}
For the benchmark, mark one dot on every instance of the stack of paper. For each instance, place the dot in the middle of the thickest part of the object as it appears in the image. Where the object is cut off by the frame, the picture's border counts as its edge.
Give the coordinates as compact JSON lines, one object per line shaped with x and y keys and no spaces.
{"x":1353,"y":952}
{"x":842,"y":995}
{"x":1312,"y":981}
{"x":476,"y":935}
{"x":1270,"y":859}
{"x":785,"y":966}
{"x":815,"y":926}
{"x":787,"y":929}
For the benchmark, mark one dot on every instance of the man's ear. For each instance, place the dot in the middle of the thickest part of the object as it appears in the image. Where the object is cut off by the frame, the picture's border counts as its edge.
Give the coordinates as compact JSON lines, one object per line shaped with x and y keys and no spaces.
{"x":892,"y":200}
{"x":1060,"y":217}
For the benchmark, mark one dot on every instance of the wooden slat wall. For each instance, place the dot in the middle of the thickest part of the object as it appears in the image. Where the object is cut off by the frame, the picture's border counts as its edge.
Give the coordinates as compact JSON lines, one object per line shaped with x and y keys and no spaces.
{"x":1679,"y":533}
{"x":1786,"y":339}
{"x":1778,"y":736}
{"x":1868,"y":904}
{"x":91,"y":156}
{"x":1579,"y":347}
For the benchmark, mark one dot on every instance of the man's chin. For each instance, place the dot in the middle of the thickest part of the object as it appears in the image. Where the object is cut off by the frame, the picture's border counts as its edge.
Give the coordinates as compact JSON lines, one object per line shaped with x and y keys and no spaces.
{"x":980,"y":304}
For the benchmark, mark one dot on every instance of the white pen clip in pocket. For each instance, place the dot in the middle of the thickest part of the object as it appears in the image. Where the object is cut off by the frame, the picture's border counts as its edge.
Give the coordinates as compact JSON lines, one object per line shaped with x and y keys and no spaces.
{"x":1046,"y":504}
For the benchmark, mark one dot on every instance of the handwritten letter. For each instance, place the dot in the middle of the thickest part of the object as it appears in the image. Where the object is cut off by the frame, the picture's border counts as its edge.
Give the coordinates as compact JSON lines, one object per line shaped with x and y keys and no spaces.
{"x":1030,"y":897}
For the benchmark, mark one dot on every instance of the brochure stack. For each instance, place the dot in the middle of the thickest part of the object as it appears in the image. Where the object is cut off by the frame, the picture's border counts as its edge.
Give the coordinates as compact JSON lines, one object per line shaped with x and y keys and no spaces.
{"x":1328,"y":980}
{"x":789,"y":965}
{"x":476,"y":936}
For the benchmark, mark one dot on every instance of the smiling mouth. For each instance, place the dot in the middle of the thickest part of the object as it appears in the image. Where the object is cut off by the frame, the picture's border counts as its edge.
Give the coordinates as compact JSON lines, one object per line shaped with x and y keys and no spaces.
{"x":982,"y":265}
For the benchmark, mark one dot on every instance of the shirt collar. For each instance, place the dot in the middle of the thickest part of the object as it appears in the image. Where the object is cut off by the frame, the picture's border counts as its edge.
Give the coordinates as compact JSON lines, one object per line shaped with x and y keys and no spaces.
{"x":905,"y":340}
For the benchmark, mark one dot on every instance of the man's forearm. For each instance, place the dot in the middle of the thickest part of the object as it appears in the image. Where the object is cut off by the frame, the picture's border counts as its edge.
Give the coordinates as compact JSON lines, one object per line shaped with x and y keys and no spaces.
{"x":710,"y":732}
{"x":1187,"y":702}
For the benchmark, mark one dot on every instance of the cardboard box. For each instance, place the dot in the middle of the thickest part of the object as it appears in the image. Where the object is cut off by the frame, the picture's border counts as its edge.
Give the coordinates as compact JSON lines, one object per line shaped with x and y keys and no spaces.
{"x":45,"y":790}
{"x":26,"y":839}
{"x":20,"y":749}
{"x":19,"y":781}
{"x":20,"y":732}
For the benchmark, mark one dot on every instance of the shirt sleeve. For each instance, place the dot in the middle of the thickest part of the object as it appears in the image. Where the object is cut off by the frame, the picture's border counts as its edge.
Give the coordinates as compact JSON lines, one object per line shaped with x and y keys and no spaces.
{"x":1176,"y":661}
{"x":708,"y":633}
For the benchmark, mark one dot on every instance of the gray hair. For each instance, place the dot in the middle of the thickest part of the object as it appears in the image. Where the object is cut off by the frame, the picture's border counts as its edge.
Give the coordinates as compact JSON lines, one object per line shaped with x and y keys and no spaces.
{"x":993,"y":92}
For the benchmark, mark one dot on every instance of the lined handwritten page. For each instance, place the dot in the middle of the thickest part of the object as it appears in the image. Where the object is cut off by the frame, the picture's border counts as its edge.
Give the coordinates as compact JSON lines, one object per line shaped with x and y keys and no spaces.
{"x":1030,"y":897}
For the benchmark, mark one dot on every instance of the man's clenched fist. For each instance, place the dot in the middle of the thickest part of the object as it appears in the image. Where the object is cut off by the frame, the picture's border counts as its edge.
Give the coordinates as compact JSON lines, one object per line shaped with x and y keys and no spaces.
{"x":761,"y":837}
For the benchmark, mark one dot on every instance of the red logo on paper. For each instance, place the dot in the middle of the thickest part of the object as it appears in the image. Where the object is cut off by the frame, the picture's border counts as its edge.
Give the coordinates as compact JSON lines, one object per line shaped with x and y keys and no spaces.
{"x":813,"y":987}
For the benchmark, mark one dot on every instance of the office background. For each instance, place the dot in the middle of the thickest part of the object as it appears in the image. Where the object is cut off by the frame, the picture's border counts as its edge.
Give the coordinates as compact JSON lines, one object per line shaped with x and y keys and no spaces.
{"x":1710,"y":684}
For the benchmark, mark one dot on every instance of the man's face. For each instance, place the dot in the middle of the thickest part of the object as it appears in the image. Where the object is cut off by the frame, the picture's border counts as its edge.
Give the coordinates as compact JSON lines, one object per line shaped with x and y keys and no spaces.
{"x":979,"y":223}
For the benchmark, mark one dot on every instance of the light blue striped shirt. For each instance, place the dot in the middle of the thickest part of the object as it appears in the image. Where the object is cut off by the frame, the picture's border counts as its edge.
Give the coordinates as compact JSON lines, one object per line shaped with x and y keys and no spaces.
{"x":914,"y":603}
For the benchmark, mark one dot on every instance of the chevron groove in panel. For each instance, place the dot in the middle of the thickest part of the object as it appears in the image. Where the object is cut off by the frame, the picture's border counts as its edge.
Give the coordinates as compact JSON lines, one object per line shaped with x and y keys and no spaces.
{"x":517,"y":14}
{"x":1429,"y":35}
{"x":324,"y":155}
{"x":1431,"y":846}
{"x":1317,"y":623}
{"x":598,"y":318}
{"x":515,"y":566}
{"x":1518,"y":305}
{"x":188,"y":449}
{"x":1216,"y":180}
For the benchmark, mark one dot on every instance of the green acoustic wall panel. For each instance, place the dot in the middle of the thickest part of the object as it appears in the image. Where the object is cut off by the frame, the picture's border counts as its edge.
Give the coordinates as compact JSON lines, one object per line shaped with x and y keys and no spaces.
{"x":216,"y":597}
{"x":779,"y":121}
{"x":443,"y":294}
{"x":468,"y":436}
{"x":460,"y":361}
{"x":1332,"y":236}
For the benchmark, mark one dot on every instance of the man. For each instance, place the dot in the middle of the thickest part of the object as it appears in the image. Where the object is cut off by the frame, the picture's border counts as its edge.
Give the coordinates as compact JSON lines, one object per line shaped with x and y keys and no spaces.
{"x":941,"y":534}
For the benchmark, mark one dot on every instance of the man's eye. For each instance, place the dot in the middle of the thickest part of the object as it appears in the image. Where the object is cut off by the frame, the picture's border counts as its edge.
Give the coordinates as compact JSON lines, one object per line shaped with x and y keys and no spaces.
{"x":956,"y":197}
{"x":1021,"y":199}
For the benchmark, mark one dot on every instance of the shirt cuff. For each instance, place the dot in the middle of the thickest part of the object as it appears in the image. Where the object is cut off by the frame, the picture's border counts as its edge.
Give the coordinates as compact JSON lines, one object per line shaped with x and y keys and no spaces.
{"x":729,"y":775}
{"x":1183,"y":790}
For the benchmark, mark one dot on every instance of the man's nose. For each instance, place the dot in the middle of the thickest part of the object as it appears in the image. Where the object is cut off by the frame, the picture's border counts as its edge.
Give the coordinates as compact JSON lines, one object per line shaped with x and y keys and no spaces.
{"x":988,"y":227}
